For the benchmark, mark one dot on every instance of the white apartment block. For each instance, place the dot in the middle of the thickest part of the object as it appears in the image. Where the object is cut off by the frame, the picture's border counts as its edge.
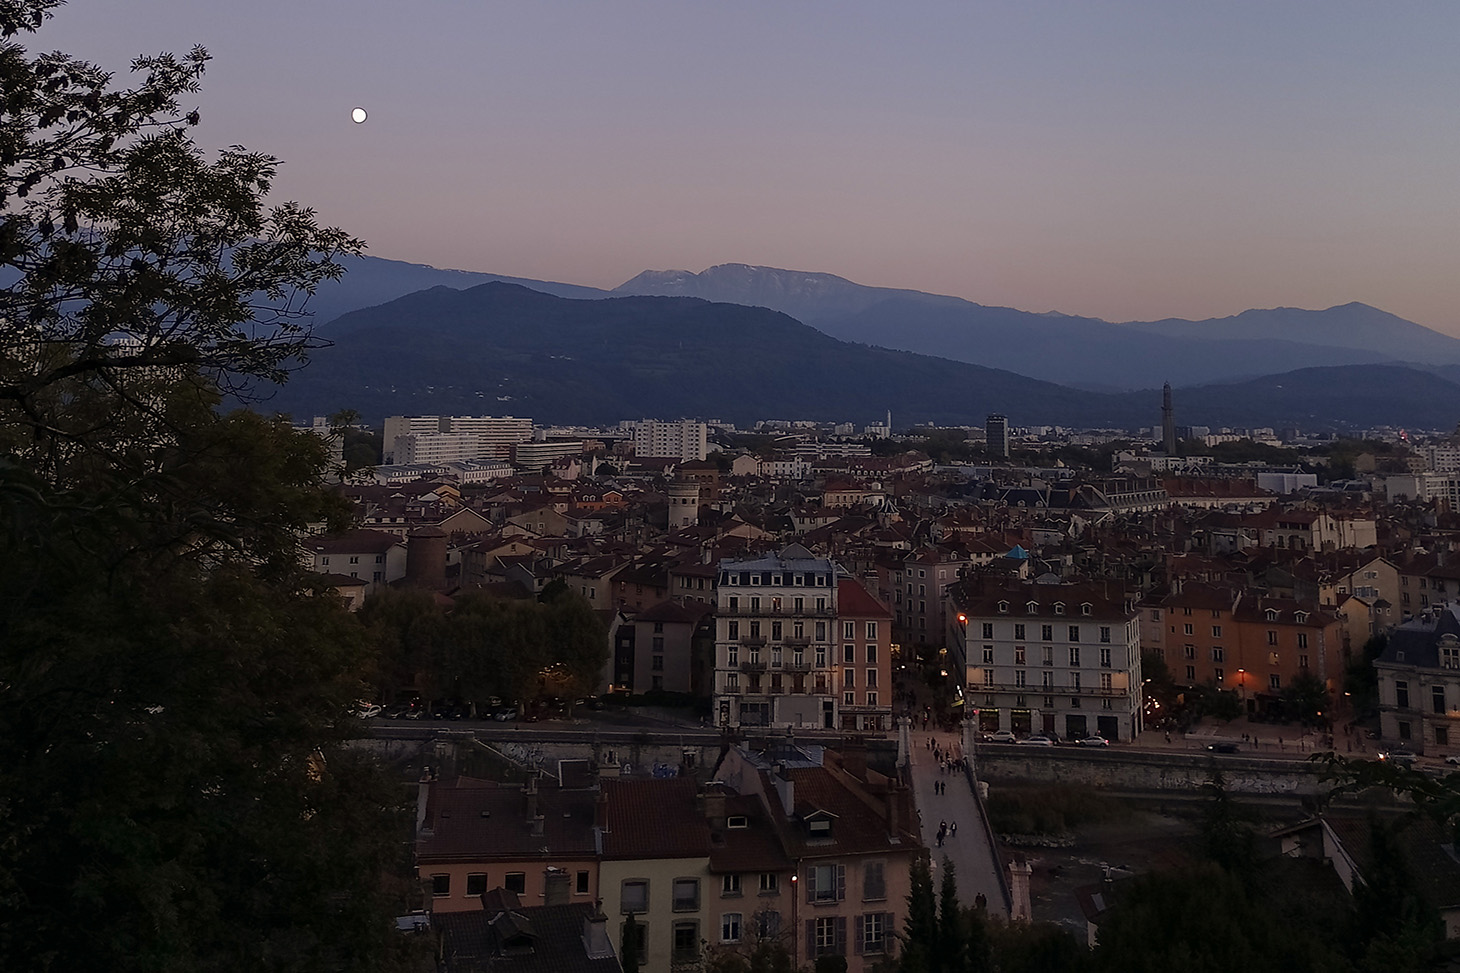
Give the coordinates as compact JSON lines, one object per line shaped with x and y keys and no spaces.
{"x":686,"y":439}
{"x":1052,"y":659}
{"x":1443,"y":458}
{"x":775,"y":661}
{"x":491,"y":436}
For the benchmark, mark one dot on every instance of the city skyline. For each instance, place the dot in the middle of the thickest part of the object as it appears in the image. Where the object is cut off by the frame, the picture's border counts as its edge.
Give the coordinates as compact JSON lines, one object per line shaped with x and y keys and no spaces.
{"x":1127,"y":161}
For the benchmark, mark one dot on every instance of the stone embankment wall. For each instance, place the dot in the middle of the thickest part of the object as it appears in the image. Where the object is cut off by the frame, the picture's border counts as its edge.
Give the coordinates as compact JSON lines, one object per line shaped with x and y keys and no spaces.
{"x":1127,"y":770}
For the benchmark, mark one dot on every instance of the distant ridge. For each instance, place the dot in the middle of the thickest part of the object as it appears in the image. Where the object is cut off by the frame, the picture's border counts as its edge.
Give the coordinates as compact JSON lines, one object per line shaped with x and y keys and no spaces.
{"x":501,"y":348}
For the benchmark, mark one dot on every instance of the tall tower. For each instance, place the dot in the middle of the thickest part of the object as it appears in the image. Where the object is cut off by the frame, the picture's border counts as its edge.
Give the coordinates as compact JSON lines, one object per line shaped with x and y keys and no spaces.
{"x":1168,"y":421}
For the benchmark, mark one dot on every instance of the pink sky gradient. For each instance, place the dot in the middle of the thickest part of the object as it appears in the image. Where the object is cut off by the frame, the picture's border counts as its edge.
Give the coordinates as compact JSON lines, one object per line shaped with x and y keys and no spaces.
{"x":1119,"y":159}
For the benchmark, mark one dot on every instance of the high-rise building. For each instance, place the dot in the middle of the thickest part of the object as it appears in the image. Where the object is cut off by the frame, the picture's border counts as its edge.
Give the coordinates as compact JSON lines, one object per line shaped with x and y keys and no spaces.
{"x":996,"y":432}
{"x":476,"y":436}
{"x":686,"y":439}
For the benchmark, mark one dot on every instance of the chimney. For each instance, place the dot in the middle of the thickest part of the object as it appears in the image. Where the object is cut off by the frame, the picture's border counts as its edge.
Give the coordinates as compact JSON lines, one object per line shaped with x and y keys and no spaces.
{"x":715,"y":804}
{"x":894,"y":809}
{"x":596,"y":944}
{"x":555,"y":886}
{"x":600,"y":812}
{"x":854,"y":756}
{"x":423,"y":795}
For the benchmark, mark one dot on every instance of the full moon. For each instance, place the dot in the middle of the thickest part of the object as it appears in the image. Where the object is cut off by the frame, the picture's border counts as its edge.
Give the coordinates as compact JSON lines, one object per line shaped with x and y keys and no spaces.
{"x":359,"y":115}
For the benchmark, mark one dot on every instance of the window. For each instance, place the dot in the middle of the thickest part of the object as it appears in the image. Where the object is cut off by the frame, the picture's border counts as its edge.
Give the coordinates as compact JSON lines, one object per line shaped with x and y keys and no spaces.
{"x":871,"y":631}
{"x":634,"y":895}
{"x":1049,"y":655}
{"x":1191,"y":673}
{"x":776,"y":630}
{"x":1405,"y":733}
{"x":849,"y":630}
{"x":730,"y":927}
{"x":656,"y":663}
{"x":1019,"y":677}
{"x":988,"y":630}
{"x":1106,"y":681}
{"x":1105,"y":633}
{"x":730,"y":884}
{"x":515,"y":882}
{"x":686,"y":894}
{"x":872,"y":932}
{"x":476,"y":883}
{"x":737,"y":822}
{"x":849,"y":678}
{"x":849,"y":653}
{"x":1216,"y":631}
{"x":770,"y":883}
{"x":821,"y":657}
{"x":826,"y":883}
{"x":988,"y":655}
{"x":1271,"y":637}
{"x":1046,"y":632}
{"x":1302,"y":640}
{"x":1074,"y":680}
{"x":1219,"y":675}
{"x":1189,"y":650}
{"x":686,"y":941}
{"x":1019,"y":630}
{"x":1074,"y":655}
{"x":580,"y":886}
{"x":874,"y":884}
{"x":440,"y":885}
{"x":871,"y":655}
{"x":1218,"y":654}
{"x":871,"y":682}
{"x":1018,"y":655}
{"x":1450,"y":656}
{"x":1437,"y":698}
{"x":1272,"y":658}
{"x":641,"y":937}
{"x":1046,"y":679}
{"x":1401,"y":694}
{"x":988,"y":677}
{"x":827,"y":936}
{"x":1186,"y":629}
{"x":1074,"y":633}
{"x":1274,"y":682}
{"x":872,"y":700}
{"x":1302,"y":661}
{"x":1105,"y":658}
{"x":849,"y":699}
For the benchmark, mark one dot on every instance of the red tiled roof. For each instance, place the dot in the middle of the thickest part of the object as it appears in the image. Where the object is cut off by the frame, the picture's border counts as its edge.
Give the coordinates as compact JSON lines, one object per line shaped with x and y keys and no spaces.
{"x":855,"y":601}
{"x":654,"y":818}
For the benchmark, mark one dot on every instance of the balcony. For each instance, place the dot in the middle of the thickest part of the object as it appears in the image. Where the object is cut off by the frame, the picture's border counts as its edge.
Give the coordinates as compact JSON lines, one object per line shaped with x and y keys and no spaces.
{"x":802,"y":640}
{"x":752,"y":666}
{"x":798,"y":666}
{"x":753,"y":641}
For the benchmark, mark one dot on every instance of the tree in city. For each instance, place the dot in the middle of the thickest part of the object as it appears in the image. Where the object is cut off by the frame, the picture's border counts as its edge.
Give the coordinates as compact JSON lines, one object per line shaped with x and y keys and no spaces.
{"x":1305,"y":699}
{"x":176,"y":787}
{"x":920,"y":926}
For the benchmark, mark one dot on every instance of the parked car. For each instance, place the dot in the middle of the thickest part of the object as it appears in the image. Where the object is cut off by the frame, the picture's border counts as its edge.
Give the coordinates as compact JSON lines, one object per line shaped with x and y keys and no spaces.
{"x":1402,"y":758}
{"x":1454,"y":758}
{"x":1037,"y":740}
{"x":1001,"y":736}
{"x":1094,"y":742}
{"x":506,"y":713}
{"x":1224,"y":748}
{"x":366,"y":710}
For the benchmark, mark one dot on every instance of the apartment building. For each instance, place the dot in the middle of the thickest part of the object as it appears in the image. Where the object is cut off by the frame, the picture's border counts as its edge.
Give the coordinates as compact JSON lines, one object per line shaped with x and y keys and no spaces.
{"x":685,"y":439}
{"x":486,"y":435}
{"x":775,"y":659}
{"x":1419,"y":683}
{"x":865,"y":625}
{"x":1049,"y":658}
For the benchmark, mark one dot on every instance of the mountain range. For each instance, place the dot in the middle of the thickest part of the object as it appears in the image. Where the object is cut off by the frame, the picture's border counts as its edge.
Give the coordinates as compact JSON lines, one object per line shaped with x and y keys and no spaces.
{"x":508,"y":348}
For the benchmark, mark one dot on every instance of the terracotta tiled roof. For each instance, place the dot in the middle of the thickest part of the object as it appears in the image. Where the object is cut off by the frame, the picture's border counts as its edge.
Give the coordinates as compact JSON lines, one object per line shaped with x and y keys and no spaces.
{"x":654,"y":818}
{"x":475,"y":820}
{"x":855,"y":601}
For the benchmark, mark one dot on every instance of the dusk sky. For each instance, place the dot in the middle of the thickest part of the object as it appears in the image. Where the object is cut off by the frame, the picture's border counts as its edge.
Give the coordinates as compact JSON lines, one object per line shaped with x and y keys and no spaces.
{"x":1128,"y":160}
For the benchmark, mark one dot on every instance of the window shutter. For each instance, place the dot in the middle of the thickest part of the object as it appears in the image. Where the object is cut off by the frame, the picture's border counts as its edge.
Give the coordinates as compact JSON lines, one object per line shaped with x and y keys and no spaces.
{"x":841,"y":882}
{"x":857,"y":939}
{"x":811,"y":938}
{"x":889,"y":934}
{"x":811,"y":884}
{"x":841,"y":936}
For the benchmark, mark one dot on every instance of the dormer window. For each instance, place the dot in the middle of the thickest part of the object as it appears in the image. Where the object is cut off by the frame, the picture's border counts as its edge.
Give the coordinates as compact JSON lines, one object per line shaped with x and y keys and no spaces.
{"x":1059,"y":608}
{"x":737,"y":821}
{"x":1300,"y":617}
{"x":1032,"y":607}
{"x":1272,"y":614}
{"x":819,"y":827}
{"x":1003,"y":608}
{"x":1085,"y":608}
